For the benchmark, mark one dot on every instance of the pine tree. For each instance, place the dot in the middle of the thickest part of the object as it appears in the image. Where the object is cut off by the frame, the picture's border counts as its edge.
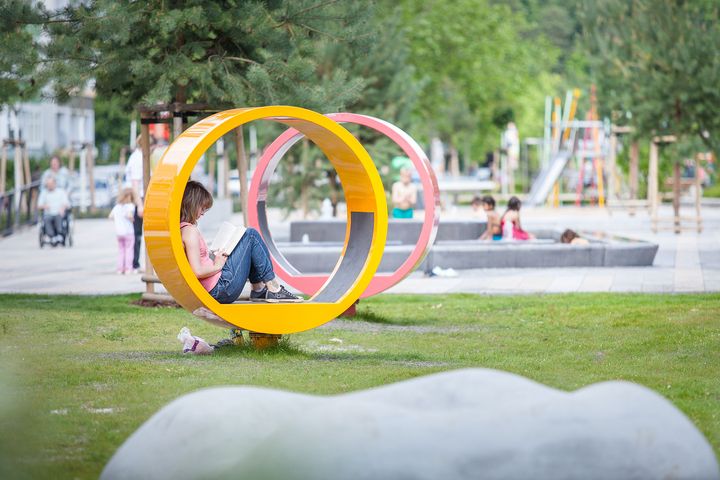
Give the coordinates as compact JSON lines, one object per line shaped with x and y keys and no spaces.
{"x":656,"y":62}
{"x":220,"y":53}
{"x":20,"y":23}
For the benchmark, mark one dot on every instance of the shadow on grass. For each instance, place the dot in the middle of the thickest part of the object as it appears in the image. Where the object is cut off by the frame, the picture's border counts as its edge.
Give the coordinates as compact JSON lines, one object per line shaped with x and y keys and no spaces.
{"x":285,"y":347}
{"x":367,"y":315}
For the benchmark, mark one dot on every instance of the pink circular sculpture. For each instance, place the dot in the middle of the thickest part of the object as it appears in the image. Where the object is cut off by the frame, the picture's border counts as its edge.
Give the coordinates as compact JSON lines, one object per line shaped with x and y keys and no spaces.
{"x":311,"y":283}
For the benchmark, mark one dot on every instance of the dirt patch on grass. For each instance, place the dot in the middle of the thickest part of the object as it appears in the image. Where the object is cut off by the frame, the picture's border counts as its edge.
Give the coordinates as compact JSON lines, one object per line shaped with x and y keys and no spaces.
{"x":156,"y":304}
{"x":368,"y":327}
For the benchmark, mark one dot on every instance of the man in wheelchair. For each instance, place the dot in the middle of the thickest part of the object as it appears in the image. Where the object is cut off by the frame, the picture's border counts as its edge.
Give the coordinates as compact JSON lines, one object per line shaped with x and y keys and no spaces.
{"x":55,"y":205}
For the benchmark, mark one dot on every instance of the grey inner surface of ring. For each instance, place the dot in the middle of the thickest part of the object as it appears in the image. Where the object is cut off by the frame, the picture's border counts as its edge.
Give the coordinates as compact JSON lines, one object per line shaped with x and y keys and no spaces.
{"x":265,"y":232}
{"x":362,"y":226}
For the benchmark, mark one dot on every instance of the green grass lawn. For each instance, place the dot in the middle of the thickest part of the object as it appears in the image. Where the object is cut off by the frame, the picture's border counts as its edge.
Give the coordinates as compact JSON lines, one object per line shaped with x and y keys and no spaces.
{"x":80,"y":374}
{"x":713,"y":191}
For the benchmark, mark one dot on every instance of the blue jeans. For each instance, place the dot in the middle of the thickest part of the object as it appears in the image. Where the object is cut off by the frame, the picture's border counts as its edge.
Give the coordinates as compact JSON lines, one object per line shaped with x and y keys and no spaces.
{"x":250,"y":259}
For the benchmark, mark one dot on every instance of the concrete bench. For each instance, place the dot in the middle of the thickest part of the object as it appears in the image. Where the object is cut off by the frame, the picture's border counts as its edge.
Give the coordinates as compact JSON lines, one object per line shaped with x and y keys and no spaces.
{"x":546,"y":252}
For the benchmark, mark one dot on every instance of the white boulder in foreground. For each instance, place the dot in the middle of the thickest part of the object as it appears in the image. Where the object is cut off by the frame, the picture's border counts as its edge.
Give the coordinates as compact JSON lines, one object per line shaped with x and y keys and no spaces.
{"x":462,"y":424}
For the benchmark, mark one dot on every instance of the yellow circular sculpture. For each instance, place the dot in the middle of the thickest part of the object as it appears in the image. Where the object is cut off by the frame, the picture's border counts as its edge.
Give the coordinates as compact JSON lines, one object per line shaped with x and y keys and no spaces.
{"x":364,"y":239}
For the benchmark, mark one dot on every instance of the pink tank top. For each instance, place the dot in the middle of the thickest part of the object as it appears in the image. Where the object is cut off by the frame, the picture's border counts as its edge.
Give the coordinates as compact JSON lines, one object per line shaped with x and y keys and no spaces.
{"x":208,"y":282}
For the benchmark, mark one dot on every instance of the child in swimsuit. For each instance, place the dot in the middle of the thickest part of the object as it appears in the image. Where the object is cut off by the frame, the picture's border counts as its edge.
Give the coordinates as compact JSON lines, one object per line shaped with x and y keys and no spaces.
{"x":512,"y":215}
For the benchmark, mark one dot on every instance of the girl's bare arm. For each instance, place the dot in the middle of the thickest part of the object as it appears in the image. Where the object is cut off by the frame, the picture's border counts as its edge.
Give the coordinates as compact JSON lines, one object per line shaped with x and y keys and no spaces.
{"x":191,"y":242}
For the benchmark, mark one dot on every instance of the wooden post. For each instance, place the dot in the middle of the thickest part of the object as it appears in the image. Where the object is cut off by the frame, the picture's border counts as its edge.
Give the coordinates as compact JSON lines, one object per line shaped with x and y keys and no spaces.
{"x":90,"y":159}
{"x":304,"y":187}
{"x":212,"y":160}
{"x":698,"y":195}
{"x":261,"y":341}
{"x":455,"y":163}
{"x":676,"y":196}
{"x":26,"y":164}
{"x":145,"y":146}
{"x":242,"y":171}
{"x":634,"y":161}
{"x":495,"y":166}
{"x":123,"y":157}
{"x":226,"y":171}
{"x":652,"y":194}
{"x":18,"y":180}
{"x":3,"y":168}
{"x":177,"y":126}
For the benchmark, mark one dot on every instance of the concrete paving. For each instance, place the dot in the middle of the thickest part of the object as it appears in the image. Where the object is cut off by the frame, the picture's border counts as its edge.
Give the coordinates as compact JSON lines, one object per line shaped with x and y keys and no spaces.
{"x":689,"y":262}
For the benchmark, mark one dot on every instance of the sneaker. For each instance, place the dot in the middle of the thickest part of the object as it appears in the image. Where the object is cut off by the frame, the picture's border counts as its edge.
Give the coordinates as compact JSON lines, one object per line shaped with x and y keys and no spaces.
{"x":282,"y":296}
{"x":258,"y":296}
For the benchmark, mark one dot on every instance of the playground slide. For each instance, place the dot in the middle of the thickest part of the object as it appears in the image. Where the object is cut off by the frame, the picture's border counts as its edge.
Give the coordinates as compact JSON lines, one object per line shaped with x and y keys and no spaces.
{"x":544,"y":182}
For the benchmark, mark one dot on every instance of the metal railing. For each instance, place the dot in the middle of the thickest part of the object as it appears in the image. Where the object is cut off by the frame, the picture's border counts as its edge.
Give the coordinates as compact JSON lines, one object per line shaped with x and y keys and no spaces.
{"x":13,"y":216}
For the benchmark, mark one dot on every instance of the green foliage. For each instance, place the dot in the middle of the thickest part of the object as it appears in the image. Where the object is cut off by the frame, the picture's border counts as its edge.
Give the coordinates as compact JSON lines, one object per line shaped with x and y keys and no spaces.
{"x":220,"y":53}
{"x":19,"y":50}
{"x":477,"y":59}
{"x":378,"y":56}
{"x":712,"y":192}
{"x":112,"y":127}
{"x":656,"y":64}
{"x":325,"y":56}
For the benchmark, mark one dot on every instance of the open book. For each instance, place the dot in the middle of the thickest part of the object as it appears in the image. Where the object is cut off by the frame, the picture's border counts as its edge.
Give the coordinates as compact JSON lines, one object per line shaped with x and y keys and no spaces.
{"x":227,"y":237}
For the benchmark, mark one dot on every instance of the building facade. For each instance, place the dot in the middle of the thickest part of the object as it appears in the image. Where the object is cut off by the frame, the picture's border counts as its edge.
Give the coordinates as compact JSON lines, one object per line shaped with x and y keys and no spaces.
{"x":48,"y":127}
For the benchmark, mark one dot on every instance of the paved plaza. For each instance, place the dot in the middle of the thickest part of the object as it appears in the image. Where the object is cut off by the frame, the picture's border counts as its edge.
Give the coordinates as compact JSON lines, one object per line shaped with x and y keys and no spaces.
{"x":689,"y":262}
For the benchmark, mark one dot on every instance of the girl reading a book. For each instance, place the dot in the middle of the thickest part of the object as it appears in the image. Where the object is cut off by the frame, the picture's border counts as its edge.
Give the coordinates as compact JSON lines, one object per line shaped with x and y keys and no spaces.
{"x":224,"y":276}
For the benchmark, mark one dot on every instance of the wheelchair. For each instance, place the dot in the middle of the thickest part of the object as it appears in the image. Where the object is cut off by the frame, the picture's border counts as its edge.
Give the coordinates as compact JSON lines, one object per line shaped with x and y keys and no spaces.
{"x":67,"y":226}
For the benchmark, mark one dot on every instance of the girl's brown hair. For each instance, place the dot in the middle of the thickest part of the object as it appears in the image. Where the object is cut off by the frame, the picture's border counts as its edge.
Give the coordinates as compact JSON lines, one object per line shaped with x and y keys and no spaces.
{"x":195,"y":199}
{"x":568,"y":236}
{"x":126,"y":195}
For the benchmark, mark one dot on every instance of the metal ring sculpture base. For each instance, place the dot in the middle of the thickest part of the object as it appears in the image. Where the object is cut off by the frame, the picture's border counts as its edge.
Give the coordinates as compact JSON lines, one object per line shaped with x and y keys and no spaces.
{"x":311,"y":283}
{"x":364,"y":240}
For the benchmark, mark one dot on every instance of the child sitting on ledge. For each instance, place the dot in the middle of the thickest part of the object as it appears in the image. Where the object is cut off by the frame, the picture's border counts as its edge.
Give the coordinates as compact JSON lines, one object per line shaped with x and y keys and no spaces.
{"x":511,"y":218}
{"x":492,"y":231}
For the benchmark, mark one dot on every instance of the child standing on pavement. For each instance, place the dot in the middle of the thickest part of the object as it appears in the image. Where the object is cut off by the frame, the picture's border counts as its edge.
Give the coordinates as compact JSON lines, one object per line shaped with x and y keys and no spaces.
{"x":122,"y":213}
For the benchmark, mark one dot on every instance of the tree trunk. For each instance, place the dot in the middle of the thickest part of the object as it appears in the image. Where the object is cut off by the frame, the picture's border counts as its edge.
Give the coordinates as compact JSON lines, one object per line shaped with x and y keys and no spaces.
{"x":652,"y":190}
{"x":226,"y":171}
{"x":304,"y":188}
{"x":3,"y":168}
{"x":91,"y":174}
{"x":242,"y":170}
{"x":454,"y":162}
{"x":212,"y":160}
{"x":634,"y":161}
{"x":334,"y":192}
{"x":26,"y":164}
{"x":123,"y":157}
{"x":676,"y":196}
